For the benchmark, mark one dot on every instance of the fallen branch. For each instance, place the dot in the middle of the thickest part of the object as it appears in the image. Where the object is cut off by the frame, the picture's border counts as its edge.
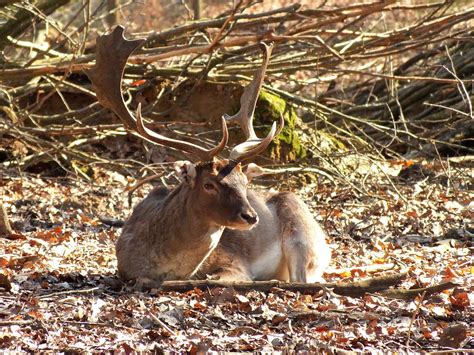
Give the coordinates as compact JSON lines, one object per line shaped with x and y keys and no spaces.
{"x":68,"y":292}
{"x":362,"y":268}
{"x":353,"y":289}
{"x":413,"y":293}
{"x":7,"y":323}
{"x":419,"y":105}
{"x":24,"y":17}
{"x":162,"y":324}
{"x":413,"y":317}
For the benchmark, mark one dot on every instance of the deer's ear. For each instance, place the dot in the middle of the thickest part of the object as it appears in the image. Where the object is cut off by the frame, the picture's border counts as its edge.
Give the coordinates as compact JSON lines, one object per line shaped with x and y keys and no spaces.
{"x":253,"y":171}
{"x":186,"y":171}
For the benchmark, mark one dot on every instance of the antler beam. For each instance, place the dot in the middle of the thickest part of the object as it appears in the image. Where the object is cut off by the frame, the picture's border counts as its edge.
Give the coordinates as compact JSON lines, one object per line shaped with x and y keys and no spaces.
{"x":253,"y":145}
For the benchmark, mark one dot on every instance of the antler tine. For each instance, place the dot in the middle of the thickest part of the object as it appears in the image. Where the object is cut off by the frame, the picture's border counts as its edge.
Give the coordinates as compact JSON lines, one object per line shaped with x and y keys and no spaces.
{"x":113,"y":51}
{"x":253,"y":145}
{"x":158,"y":138}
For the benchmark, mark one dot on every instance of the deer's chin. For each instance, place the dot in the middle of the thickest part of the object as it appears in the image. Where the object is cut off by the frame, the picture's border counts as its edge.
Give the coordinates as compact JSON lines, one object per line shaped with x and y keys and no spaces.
{"x":244,"y":226}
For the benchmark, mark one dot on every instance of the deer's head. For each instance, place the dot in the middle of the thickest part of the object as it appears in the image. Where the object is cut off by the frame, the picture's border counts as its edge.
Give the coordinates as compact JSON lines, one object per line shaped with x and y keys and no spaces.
{"x":218,"y":193}
{"x":218,"y":186}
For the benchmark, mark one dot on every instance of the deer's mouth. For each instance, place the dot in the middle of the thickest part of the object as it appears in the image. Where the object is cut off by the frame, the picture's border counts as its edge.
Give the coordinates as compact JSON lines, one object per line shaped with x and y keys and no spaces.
{"x":244,"y":222}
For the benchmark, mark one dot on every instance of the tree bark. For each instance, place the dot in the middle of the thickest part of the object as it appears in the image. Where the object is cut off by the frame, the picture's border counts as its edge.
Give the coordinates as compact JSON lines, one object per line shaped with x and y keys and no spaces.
{"x":4,"y":222}
{"x":197,"y":7}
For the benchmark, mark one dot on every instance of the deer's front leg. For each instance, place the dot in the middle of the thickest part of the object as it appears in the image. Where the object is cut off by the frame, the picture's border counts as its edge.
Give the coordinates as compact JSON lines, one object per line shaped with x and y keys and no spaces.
{"x":297,"y":257}
{"x":303,"y":240}
{"x":307,"y":261}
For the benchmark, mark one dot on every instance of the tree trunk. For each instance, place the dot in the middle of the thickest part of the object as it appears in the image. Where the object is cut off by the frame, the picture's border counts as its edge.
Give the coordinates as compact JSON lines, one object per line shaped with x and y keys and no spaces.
{"x":197,"y":7}
{"x":4,"y":223}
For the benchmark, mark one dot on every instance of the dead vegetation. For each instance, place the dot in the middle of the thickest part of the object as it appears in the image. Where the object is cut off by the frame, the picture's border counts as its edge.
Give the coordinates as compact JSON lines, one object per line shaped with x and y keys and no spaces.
{"x":379,"y":77}
{"x":382,"y":100}
{"x":60,"y":291}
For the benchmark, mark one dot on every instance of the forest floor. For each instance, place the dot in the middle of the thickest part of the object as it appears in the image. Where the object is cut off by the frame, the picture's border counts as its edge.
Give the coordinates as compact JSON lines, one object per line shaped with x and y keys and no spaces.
{"x":59,"y":292}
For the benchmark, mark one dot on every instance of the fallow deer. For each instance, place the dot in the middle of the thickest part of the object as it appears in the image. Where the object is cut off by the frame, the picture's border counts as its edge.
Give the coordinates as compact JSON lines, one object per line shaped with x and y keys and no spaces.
{"x":211,"y":224}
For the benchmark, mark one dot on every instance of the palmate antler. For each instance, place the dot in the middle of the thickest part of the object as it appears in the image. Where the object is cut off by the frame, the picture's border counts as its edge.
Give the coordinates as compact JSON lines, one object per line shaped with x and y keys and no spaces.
{"x":113,"y":51}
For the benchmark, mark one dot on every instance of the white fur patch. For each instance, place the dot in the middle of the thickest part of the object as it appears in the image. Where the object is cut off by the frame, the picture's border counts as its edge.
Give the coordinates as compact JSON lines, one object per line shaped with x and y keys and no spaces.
{"x":267,"y":264}
{"x":215,"y":237}
{"x":322,"y":260}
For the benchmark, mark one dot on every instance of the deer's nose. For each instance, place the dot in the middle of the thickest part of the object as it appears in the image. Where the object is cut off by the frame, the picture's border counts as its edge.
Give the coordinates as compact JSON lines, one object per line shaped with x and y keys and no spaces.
{"x":250,"y":218}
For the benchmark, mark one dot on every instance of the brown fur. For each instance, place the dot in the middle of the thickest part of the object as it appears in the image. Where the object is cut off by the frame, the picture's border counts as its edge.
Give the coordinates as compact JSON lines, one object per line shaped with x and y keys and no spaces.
{"x":169,"y":233}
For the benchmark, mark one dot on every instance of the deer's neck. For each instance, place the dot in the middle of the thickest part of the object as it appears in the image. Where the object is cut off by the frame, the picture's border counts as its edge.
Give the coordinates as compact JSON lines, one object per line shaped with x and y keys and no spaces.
{"x":183,"y":235}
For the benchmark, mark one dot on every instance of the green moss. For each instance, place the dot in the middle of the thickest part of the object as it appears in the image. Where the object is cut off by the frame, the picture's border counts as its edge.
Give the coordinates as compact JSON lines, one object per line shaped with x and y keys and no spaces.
{"x":82,"y":170}
{"x":335,"y":143}
{"x":287,"y":146}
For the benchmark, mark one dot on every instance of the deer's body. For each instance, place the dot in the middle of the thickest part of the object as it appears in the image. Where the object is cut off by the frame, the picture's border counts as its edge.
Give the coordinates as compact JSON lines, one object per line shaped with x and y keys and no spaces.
{"x":170,"y":235}
{"x":172,"y":232}
{"x":209,"y":224}
{"x":157,"y":245}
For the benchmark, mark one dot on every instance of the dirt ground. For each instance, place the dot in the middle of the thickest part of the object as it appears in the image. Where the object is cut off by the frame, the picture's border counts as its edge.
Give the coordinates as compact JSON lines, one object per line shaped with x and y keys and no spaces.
{"x":59,"y":292}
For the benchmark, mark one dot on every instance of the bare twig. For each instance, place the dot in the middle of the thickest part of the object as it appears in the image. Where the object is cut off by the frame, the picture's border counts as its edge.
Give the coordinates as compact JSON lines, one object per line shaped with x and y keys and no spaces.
{"x":161,"y":323}
{"x":413,"y":317}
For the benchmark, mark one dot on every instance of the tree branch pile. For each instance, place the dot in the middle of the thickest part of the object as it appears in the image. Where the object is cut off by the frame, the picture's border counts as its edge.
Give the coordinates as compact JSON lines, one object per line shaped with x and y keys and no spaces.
{"x":382,"y":76}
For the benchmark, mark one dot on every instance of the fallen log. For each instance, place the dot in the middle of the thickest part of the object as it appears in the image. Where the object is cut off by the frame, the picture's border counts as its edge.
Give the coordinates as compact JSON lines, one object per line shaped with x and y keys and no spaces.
{"x":379,"y":284}
{"x":353,"y":289}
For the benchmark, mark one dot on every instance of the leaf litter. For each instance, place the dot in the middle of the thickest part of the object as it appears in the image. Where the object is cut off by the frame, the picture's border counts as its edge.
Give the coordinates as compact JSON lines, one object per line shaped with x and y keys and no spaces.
{"x":58,"y":289}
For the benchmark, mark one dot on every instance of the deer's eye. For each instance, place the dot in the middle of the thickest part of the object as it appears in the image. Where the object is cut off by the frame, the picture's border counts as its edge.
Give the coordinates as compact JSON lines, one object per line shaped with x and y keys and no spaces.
{"x":209,"y":186}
